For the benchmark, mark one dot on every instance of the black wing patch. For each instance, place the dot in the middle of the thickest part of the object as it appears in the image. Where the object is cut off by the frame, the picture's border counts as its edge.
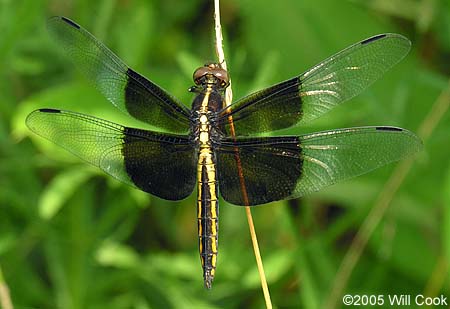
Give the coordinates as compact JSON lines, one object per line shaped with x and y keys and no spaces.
{"x":270,"y":166}
{"x":160,"y":164}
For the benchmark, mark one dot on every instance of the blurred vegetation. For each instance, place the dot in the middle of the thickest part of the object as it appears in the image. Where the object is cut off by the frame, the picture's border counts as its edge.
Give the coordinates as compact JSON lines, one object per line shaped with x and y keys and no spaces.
{"x":72,"y":237}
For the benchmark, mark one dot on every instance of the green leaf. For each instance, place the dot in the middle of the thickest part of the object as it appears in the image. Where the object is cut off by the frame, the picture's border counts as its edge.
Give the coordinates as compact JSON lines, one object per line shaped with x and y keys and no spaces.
{"x":117,"y":255}
{"x":275,"y":266}
{"x":61,"y":188}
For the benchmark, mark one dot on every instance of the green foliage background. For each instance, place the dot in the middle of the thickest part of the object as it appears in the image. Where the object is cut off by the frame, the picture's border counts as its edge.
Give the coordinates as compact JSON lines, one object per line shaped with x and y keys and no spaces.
{"x":71,"y":237}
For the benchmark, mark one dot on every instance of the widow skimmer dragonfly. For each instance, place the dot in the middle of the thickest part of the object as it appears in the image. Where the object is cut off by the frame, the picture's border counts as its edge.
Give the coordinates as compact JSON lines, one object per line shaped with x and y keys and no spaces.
{"x":218,"y":148}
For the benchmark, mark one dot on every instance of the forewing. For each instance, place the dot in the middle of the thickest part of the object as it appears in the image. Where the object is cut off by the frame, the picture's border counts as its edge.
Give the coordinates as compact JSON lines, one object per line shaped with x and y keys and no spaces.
{"x":160,"y":164}
{"x":126,"y":89}
{"x":277,"y":168}
{"x":310,"y":95}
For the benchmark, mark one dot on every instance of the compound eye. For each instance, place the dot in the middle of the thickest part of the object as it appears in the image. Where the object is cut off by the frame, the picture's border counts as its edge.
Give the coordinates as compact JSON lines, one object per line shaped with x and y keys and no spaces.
{"x":199,"y":73}
{"x":221,"y":75}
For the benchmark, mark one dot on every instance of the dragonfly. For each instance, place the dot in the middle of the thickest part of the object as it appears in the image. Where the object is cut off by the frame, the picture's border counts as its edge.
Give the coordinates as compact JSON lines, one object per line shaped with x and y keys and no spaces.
{"x":223,"y":149}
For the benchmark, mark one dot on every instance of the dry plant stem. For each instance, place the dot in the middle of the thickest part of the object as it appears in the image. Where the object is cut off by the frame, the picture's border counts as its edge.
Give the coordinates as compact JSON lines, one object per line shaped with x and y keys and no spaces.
{"x":437,"y":278}
{"x":219,"y":49}
{"x":228,"y":100}
{"x":385,"y":197}
{"x":5,"y":298}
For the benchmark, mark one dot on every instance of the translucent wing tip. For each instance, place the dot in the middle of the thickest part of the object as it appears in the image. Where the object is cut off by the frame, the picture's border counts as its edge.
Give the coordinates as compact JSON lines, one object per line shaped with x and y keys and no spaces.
{"x":57,"y":19}
{"x":35,"y":121}
{"x":30,"y":120}
{"x":386,"y":36}
{"x":415,"y":142}
{"x":396,"y":39}
{"x":58,"y":26}
{"x":338,"y":155}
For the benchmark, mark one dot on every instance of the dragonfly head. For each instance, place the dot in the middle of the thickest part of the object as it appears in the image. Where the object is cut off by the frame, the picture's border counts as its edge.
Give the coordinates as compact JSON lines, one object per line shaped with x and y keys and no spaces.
{"x":211,"y":74}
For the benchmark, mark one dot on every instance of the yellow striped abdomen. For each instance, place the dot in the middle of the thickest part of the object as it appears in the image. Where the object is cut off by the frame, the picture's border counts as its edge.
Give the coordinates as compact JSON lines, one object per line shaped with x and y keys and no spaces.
{"x":208,"y":209}
{"x":207,"y":204}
